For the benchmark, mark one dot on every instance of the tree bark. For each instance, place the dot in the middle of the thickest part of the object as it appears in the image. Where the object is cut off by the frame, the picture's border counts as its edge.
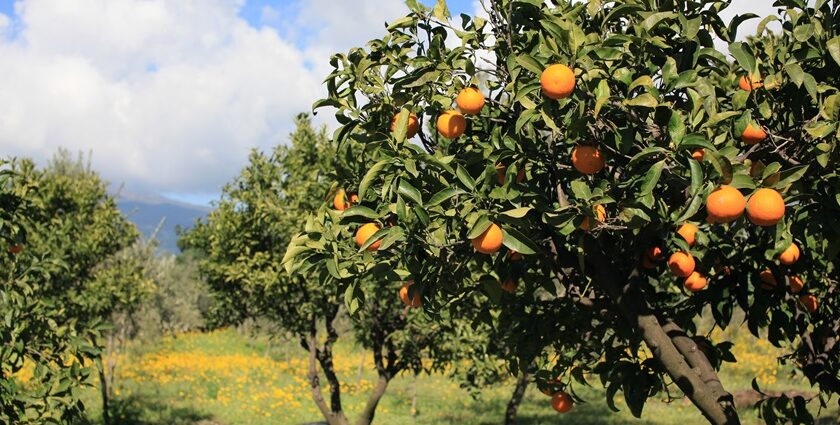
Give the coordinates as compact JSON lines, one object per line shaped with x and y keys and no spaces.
{"x":366,"y":417}
{"x":635,"y":308}
{"x":516,"y":399}
{"x":332,"y":417}
{"x":103,"y":384}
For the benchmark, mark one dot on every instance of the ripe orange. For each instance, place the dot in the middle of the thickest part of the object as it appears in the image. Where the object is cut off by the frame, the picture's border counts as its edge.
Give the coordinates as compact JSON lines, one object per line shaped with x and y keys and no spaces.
{"x":341,"y":201}
{"x":681,"y":264}
{"x":753,"y":134}
{"x":688,"y":231}
{"x":768,"y":281}
{"x":587,"y":159}
{"x":413,"y":125}
{"x":470,"y":100}
{"x":695,"y":282}
{"x":501,"y":171}
{"x":365,"y":232}
{"x":765,"y":207}
{"x":514,"y":256}
{"x":412,"y":302}
{"x":790,"y":255}
{"x":699,"y":154}
{"x":725,"y":204}
{"x":558,"y":81}
{"x":749,"y":83}
{"x":562,"y":402}
{"x":509,"y":286}
{"x":810,"y":302}
{"x":451,"y":124}
{"x":15,"y":249}
{"x":796,"y":284}
{"x":600,"y":213}
{"x":490,"y":241}
{"x":654,"y":253}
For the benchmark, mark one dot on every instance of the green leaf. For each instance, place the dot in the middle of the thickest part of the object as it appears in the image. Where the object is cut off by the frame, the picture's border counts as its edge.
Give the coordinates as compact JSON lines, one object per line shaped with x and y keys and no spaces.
{"x":647,"y":152}
{"x":517,"y":212}
{"x":696,"y":140}
{"x":741,"y":53}
{"x":441,"y":11}
{"x":833,"y":47}
{"x":479,"y":227}
{"x":465,"y":178}
{"x":643,"y":81}
{"x":790,"y":176}
{"x":676,"y":126}
{"x":518,"y":242}
{"x":359,"y":211}
{"x":406,"y":189}
{"x":404,"y":22}
{"x":581,"y":190}
{"x":696,"y":176}
{"x":530,"y":63}
{"x":796,"y":74}
{"x":652,"y":177}
{"x":416,"y":6}
{"x":370,"y":176}
{"x":443,"y":196}
{"x":645,"y":100}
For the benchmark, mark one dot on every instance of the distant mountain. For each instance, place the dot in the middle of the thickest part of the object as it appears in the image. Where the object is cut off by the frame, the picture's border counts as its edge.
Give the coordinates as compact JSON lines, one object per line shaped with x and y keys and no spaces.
{"x":147,"y":212}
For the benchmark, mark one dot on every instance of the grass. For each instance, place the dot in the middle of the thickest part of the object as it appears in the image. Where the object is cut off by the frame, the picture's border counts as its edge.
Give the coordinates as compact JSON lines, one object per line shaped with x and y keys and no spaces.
{"x":226,"y":378}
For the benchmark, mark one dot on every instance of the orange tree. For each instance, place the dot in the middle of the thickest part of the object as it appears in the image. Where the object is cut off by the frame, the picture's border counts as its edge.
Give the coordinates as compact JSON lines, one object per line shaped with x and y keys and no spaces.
{"x":57,"y":226}
{"x":607,"y":137}
{"x":241,"y":248}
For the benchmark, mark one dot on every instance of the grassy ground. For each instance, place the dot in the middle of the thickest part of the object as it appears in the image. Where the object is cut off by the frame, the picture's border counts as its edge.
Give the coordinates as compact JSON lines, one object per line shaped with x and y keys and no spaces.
{"x":227,"y":378}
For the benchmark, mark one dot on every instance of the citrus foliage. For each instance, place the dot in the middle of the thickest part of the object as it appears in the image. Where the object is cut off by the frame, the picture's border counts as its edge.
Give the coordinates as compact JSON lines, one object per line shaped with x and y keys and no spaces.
{"x":583,"y":182}
{"x":57,"y":226}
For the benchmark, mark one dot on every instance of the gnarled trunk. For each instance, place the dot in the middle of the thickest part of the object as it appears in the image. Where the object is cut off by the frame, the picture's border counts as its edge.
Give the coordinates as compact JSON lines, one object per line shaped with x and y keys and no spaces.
{"x":516,"y":398}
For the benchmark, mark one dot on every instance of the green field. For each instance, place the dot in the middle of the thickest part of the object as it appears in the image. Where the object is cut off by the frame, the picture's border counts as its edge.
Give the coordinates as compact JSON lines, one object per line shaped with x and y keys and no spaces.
{"x":226,"y":377}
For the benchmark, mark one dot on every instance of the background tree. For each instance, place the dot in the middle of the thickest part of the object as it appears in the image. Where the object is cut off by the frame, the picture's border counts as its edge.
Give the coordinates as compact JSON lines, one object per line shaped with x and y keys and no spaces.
{"x":626,"y":122}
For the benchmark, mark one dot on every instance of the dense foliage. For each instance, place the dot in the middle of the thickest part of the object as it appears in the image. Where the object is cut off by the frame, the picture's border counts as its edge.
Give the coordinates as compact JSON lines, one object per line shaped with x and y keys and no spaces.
{"x":591,"y":181}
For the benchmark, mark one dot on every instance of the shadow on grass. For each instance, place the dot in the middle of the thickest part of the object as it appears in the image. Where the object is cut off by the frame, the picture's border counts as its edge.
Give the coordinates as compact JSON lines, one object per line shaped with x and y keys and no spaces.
{"x":141,"y":410}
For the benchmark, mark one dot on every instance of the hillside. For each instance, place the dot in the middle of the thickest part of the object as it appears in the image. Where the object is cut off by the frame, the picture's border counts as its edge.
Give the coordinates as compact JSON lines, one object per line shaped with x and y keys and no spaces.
{"x":147,"y":212}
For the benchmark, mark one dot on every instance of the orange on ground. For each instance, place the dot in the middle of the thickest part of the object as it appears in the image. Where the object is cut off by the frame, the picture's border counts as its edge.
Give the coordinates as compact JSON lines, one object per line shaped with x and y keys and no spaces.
{"x":558,"y":81}
{"x":699,"y":154}
{"x":600,"y":213}
{"x":810,"y":302}
{"x":587,"y":159}
{"x":409,"y":301}
{"x":753,"y":134}
{"x":795,"y":284}
{"x":470,"y":100}
{"x":749,"y":83}
{"x":562,"y":402}
{"x":15,"y":249}
{"x":688,"y":231}
{"x":768,"y":281}
{"x":654,"y":253}
{"x":695,"y":282}
{"x":790,"y":255}
{"x":509,"y":286}
{"x":451,"y":124}
{"x":765,"y":207}
{"x":490,"y":241}
{"x":365,"y":232}
{"x":681,"y":264}
{"x":725,"y":204}
{"x":413,"y":125}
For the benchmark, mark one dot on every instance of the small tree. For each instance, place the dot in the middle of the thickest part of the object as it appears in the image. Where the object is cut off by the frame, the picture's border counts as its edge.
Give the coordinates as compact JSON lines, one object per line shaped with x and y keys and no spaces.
{"x":602,"y":132}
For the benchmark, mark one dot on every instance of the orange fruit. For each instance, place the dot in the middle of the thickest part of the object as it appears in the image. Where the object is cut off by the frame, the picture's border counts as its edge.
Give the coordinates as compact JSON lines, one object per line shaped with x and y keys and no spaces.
{"x":490,"y":241}
{"x":600,"y":213}
{"x":749,"y":83}
{"x":413,"y":125}
{"x":647,"y":263}
{"x":695,"y":282}
{"x":470,"y":100}
{"x":501,"y":170}
{"x":681,"y":263}
{"x":408,"y":300}
{"x":810,"y":302}
{"x":753,"y":134}
{"x":796,"y":284}
{"x":768,"y":281}
{"x":699,"y":154}
{"x":562,"y":402}
{"x":765,"y":207}
{"x":514,"y":256}
{"x":725,"y":204}
{"x":654,"y":253}
{"x":558,"y":81}
{"x":587,"y":159}
{"x":365,"y":232}
{"x":790,"y":255}
{"x":451,"y":124}
{"x":341,"y":201}
{"x":15,"y":249}
{"x":688,"y":231}
{"x":509,"y":286}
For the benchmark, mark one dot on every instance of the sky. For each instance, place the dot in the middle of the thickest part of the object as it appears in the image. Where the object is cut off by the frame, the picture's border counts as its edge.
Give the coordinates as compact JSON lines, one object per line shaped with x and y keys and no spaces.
{"x":169,"y":96}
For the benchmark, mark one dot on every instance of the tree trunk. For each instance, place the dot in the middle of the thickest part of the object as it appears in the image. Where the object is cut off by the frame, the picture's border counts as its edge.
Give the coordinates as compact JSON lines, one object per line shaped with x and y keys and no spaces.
{"x":716,"y":406}
{"x":103,"y":386}
{"x":332,"y":417}
{"x":366,"y":417}
{"x":414,"y":399}
{"x":516,"y":398}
